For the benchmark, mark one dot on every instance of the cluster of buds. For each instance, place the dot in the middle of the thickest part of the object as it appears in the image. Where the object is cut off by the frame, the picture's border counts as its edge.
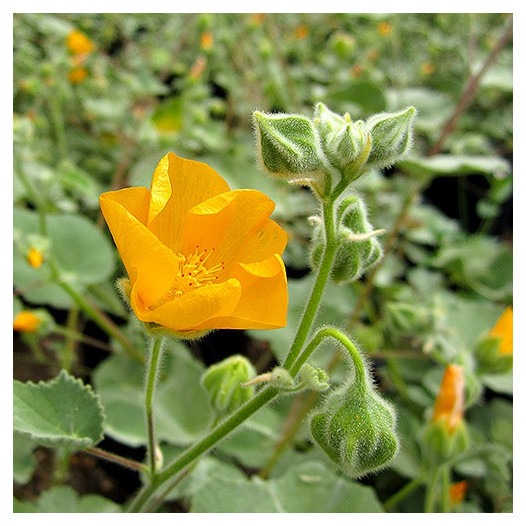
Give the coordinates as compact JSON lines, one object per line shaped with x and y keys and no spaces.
{"x":330,"y":149}
{"x":358,"y":248}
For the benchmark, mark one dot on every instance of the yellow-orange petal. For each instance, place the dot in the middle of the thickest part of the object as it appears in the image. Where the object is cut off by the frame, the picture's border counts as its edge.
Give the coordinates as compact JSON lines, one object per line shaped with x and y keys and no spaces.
{"x":78,"y":43}
{"x":269,"y":239}
{"x":449,"y":404}
{"x":457,"y":491}
{"x":264,"y":298}
{"x":503,"y":329}
{"x":140,"y":250}
{"x":178,"y":184}
{"x":191,"y":310}
{"x":26,"y":321}
{"x":35,"y":257}
{"x":226,"y":222}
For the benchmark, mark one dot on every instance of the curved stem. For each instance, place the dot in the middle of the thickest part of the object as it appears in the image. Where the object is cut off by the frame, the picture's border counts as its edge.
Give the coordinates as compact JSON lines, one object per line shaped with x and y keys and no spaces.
{"x":331,"y":332}
{"x":155,"y":355}
{"x":324,"y":271}
{"x":403,"y":493}
{"x":431,"y":490}
{"x":446,"y":480}
{"x":141,"y":501}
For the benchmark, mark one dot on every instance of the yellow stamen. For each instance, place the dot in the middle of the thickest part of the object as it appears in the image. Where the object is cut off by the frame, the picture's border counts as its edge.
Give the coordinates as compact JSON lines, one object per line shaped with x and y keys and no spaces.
{"x":192,"y":274}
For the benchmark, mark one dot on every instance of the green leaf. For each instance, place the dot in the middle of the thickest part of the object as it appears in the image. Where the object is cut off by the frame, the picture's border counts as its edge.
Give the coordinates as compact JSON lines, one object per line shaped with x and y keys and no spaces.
{"x":481,"y":263}
{"x":306,"y":488}
{"x":23,"y":460}
{"x":83,"y":254}
{"x":358,"y":98}
{"x":61,"y":412}
{"x":181,"y":411}
{"x":63,"y":499}
{"x":457,"y":165}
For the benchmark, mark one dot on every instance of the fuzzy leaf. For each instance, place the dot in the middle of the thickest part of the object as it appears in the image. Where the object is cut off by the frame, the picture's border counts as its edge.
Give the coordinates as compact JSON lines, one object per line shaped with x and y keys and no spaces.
{"x":61,"y":412}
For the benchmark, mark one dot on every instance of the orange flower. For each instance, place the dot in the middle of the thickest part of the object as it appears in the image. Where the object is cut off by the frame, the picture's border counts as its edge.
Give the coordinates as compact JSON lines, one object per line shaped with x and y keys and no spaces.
{"x":457,"y":491}
{"x":301,"y":32}
{"x":207,"y":41}
{"x":26,"y":321}
{"x":449,"y":404}
{"x":79,"y":44}
{"x":427,"y":68}
{"x":35,"y":257}
{"x":77,"y":75}
{"x":199,"y":256}
{"x":385,"y":29}
{"x":503,"y":329}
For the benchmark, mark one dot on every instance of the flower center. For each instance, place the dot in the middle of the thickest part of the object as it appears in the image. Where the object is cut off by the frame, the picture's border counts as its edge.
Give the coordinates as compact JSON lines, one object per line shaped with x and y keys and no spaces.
{"x":192,"y":274}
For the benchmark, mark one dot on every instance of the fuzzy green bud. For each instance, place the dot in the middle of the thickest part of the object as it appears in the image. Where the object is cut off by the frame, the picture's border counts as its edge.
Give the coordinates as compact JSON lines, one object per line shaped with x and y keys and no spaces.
{"x":346,"y":144}
{"x":489,"y":358}
{"x":359,"y":248}
{"x":356,"y":429}
{"x":440,"y":444}
{"x":288,"y":147}
{"x":392,"y":136}
{"x":223,"y":384}
{"x":314,"y":378}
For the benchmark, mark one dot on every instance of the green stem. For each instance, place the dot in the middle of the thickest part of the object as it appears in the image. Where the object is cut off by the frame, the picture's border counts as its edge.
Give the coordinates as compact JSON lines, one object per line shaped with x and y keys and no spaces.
{"x":141,"y":501}
{"x":331,"y":332}
{"x":446,"y":480}
{"x":58,"y":123}
{"x":117,"y":459}
{"x":309,"y":314}
{"x":403,"y":493}
{"x":431,"y":490}
{"x":155,"y":355}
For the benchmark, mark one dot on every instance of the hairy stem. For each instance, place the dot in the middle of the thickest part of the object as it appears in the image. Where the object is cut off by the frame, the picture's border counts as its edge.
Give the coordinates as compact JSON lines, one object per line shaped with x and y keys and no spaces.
{"x":319,"y":285}
{"x":153,"y":366}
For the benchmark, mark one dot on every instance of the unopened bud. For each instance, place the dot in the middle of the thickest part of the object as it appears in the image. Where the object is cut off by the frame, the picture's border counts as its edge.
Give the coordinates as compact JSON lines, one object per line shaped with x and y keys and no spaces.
{"x":223,"y":384}
{"x":494,"y":351}
{"x":314,"y":378}
{"x":359,"y":248}
{"x":356,"y":429}
{"x":446,"y":433}
{"x":287,"y":147}
{"x":392,"y":136}
{"x":346,"y":144}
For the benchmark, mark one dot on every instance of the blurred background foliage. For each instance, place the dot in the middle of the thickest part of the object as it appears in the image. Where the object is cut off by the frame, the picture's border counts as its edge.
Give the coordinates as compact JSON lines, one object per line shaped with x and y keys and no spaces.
{"x":97,"y":110}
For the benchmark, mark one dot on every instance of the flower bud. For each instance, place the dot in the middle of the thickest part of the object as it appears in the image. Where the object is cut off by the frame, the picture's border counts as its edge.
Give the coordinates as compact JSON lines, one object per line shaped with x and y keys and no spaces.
{"x":359,"y":248}
{"x":446,"y":434}
{"x":392,"y":136}
{"x":287,"y":146}
{"x":314,"y":378}
{"x":356,"y":429}
{"x":345,"y":143}
{"x":494,"y":351}
{"x":222,"y":382}
{"x":36,"y":321}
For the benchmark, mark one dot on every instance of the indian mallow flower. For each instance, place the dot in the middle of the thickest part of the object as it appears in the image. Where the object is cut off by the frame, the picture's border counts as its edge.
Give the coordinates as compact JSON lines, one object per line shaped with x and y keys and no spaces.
{"x":198,"y":255}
